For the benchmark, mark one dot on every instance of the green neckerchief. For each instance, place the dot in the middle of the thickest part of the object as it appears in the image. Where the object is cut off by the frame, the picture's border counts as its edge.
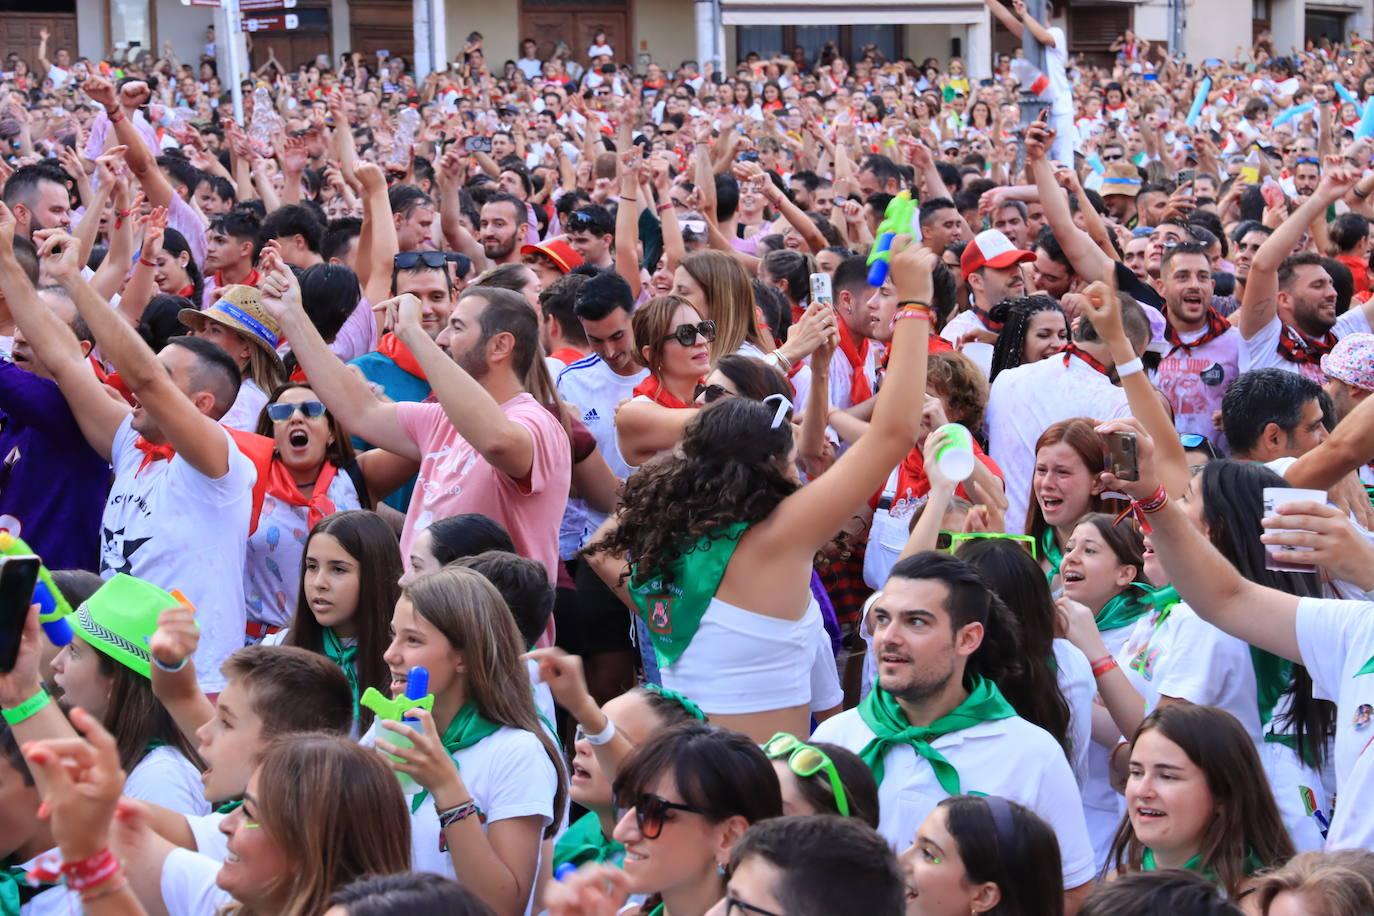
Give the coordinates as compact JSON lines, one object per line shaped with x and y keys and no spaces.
{"x":466,"y":729}
{"x":1272,"y":677}
{"x":1252,"y":864}
{"x":1050,"y":550}
{"x":346,"y":657}
{"x":1126,"y":608}
{"x":680,"y":699}
{"x":1367,"y":668}
{"x":230,"y":807}
{"x":673,"y":608}
{"x":659,"y":910}
{"x":881,"y":712}
{"x":584,"y":842}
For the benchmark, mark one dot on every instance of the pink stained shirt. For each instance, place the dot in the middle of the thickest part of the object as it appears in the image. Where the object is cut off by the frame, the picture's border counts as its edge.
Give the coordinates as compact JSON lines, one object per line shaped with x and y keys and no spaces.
{"x":454,"y":478}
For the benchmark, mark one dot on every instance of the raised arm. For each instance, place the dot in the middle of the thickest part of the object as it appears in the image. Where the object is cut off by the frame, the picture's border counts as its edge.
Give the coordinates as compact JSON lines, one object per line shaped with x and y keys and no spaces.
{"x":627,"y":219}
{"x":1347,"y":449}
{"x":1006,"y":17}
{"x":343,"y":391}
{"x":815,"y":241}
{"x":174,"y":676}
{"x":1260,"y":304}
{"x":141,"y":160}
{"x":1089,"y":261}
{"x":141,"y":287}
{"x":383,"y":244}
{"x":1038,"y":31}
{"x":673,"y":248}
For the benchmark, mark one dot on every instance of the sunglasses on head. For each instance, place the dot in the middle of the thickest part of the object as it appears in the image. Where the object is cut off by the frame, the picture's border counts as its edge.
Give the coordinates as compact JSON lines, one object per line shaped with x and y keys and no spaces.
{"x":806,"y":761}
{"x":952,"y":540}
{"x":434,"y":260}
{"x":709,"y":394}
{"x":1198,"y":442}
{"x":1307,"y":160}
{"x":651,"y":811}
{"x":687,"y":334}
{"x":280,"y":413}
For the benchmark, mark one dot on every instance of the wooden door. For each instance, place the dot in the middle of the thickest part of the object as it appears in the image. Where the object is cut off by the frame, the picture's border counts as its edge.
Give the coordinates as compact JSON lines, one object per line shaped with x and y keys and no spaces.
{"x":19,"y":34}
{"x":548,"y":28}
{"x":576,"y":22}
{"x":613,"y":23}
{"x":376,"y":25}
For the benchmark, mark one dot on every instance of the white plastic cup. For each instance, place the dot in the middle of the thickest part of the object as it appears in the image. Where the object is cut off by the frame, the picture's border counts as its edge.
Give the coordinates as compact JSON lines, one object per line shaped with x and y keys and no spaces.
{"x":955,"y":455}
{"x":1277,"y":556}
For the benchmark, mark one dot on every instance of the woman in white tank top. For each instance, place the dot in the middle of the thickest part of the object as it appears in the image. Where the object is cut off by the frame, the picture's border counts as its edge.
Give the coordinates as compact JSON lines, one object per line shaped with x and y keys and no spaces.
{"x":713,"y":545}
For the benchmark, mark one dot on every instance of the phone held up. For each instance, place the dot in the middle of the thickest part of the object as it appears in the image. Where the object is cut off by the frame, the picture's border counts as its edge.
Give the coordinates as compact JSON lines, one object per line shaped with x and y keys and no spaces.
{"x":18,"y":578}
{"x":1122,"y":459}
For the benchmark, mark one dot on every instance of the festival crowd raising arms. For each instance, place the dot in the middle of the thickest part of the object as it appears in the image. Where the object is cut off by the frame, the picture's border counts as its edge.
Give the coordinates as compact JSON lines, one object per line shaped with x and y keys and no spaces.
{"x":557,"y":485}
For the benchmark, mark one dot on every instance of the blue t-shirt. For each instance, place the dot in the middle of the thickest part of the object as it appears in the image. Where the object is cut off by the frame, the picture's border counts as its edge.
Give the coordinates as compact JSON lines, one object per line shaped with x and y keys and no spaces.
{"x":399,"y":385}
{"x":51,"y":480}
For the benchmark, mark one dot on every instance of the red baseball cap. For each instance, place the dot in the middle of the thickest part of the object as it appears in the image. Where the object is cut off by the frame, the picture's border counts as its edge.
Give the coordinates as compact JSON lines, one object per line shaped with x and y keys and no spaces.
{"x":991,"y":248}
{"x":558,"y":251}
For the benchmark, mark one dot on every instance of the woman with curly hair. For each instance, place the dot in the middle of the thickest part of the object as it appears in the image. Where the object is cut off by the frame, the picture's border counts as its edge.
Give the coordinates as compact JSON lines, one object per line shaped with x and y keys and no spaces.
{"x":713,"y":544}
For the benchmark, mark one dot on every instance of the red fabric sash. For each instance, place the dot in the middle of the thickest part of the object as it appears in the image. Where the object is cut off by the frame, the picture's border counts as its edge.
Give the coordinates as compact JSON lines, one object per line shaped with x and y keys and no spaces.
{"x":1216,"y":326}
{"x":1071,"y":350}
{"x":857,"y":354}
{"x":283,"y":486}
{"x":987,"y":322}
{"x":391,"y":347}
{"x":566,"y":355}
{"x":1297,"y":347}
{"x":653,"y":389}
{"x":251,"y":280}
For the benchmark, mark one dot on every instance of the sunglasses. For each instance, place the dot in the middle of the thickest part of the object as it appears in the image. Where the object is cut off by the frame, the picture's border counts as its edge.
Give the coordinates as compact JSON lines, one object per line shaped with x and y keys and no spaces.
{"x":709,"y":394}
{"x":687,"y":334}
{"x":1113,"y":158}
{"x":950,"y":540}
{"x":651,"y":812}
{"x":1196,"y":441}
{"x":434,"y":260}
{"x":280,"y":413}
{"x":1307,"y":160}
{"x":806,"y":761}
{"x":581,"y":219}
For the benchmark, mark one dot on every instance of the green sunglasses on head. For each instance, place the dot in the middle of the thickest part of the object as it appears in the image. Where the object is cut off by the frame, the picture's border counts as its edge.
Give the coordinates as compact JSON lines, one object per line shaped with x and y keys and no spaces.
{"x":806,"y":761}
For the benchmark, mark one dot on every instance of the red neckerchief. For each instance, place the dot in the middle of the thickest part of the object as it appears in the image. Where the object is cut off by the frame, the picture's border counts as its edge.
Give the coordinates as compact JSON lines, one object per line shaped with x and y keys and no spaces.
{"x":391,"y":347}
{"x":187,"y":291}
{"x":250,"y":280}
{"x":567,"y":355}
{"x":1216,"y":326}
{"x":857,"y":354}
{"x":1297,"y":347}
{"x":1359,"y":270}
{"x":283,"y":486}
{"x":152,"y":452}
{"x":797,"y":313}
{"x":912,"y":482}
{"x":652,"y":388}
{"x":987,"y":322}
{"x":1071,"y":350}
{"x":298,"y":374}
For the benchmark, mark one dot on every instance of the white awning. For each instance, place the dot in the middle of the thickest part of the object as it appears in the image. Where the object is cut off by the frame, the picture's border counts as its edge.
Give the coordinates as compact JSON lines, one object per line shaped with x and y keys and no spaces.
{"x":846,"y":12}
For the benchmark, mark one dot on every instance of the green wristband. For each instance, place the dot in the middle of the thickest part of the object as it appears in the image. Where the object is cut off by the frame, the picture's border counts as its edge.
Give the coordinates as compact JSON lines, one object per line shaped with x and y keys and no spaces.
{"x":27,"y":709}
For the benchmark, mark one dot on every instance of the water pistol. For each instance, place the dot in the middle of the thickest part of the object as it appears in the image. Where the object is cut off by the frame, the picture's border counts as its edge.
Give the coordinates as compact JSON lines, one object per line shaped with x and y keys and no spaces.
{"x":901,"y":216}
{"x":53,"y":609}
{"x":417,"y":696}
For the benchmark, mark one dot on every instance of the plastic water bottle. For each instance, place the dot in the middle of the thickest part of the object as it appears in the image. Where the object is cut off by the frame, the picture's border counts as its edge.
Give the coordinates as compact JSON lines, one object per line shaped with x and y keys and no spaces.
{"x":954,"y":457}
{"x":263,"y":125}
{"x":417,"y":688}
{"x":407,"y":126}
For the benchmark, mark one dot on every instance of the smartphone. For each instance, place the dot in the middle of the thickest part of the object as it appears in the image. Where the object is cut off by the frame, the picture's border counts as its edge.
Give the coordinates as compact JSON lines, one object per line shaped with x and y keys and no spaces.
{"x":1122,"y":459}
{"x":18,"y":578}
{"x":477,"y":144}
{"x":821,"y":289}
{"x":749,"y":156}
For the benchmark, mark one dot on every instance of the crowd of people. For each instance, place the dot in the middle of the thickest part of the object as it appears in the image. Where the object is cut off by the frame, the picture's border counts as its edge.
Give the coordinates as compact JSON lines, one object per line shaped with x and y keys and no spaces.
{"x":802,"y":488}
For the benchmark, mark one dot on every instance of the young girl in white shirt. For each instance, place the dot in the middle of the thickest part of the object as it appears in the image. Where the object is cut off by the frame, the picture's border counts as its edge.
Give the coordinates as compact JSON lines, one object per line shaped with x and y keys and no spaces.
{"x":1065,"y":487}
{"x":492,"y":784}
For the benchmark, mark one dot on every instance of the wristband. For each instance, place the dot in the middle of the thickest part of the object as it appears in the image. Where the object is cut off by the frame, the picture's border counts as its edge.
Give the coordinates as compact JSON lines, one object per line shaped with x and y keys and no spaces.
{"x":109,"y":889}
{"x":603,"y":737}
{"x":782,"y":362}
{"x":665,"y":206}
{"x":27,"y":709}
{"x":170,"y":669}
{"x":450,"y":816}
{"x":147,"y":263}
{"x":1155,"y":502}
{"x":1358,"y":193}
{"x":1103,"y":665}
{"x":1130,"y":368}
{"x":630,"y":199}
{"x":914,"y":311}
{"x":88,"y":873}
{"x":116,"y":117}
{"x":905,"y":302}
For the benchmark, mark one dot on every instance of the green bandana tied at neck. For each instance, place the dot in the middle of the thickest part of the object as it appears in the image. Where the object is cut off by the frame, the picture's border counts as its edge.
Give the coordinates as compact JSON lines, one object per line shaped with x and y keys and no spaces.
{"x":1148,"y":863}
{"x":881,"y":712}
{"x":346,"y":658}
{"x":659,"y":910}
{"x":673,"y":601}
{"x":1126,"y":608}
{"x":1367,"y":668}
{"x":15,"y":890}
{"x":466,"y":729}
{"x":584,"y":842}
{"x":1050,"y":551}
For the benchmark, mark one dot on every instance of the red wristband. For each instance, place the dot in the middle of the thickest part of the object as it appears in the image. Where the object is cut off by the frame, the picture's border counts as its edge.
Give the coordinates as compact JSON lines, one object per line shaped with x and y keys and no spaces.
{"x":147,"y":263}
{"x":87,"y":873}
{"x":116,"y":117}
{"x":1103,"y":665}
{"x":665,"y":206}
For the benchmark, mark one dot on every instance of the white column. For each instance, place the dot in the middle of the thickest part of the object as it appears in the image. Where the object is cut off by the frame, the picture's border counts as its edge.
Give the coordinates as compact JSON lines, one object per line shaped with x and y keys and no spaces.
{"x":978,"y":53}
{"x":423,"y":29}
{"x":438,"y":35}
{"x":709,"y":42}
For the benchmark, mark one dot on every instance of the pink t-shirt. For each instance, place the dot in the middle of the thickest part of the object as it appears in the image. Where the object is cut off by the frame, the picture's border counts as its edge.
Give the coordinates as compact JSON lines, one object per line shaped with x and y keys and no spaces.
{"x":454,"y":478}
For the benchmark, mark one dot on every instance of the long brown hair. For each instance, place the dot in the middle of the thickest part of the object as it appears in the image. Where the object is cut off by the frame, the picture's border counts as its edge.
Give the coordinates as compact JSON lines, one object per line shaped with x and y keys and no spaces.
{"x":372,"y":545}
{"x":336,"y":810}
{"x":730,"y":298}
{"x":1247,"y":820}
{"x":136,"y":719}
{"x":470,"y":612}
{"x":1081,"y":435}
{"x":653,"y":323}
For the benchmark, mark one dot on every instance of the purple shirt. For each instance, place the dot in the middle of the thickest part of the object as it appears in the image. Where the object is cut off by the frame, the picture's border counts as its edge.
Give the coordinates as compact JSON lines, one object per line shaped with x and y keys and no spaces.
{"x":50,"y":478}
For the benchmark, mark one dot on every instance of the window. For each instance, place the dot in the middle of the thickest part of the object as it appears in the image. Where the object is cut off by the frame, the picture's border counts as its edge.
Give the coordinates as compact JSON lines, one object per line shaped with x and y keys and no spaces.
{"x":129,"y":23}
{"x":763,"y":40}
{"x":849,"y":40}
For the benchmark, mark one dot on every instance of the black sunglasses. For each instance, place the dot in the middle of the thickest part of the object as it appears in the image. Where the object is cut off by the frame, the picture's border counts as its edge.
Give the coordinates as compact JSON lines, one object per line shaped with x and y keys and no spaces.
{"x":686,"y":334}
{"x":1113,"y":158}
{"x":651,"y":811}
{"x":709,"y":394}
{"x":1198,"y":442}
{"x":434,"y":260}
{"x":280,"y":413}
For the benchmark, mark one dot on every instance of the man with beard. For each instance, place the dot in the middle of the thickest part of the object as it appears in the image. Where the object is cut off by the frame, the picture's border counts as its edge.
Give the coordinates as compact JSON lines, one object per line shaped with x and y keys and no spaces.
{"x":37,"y":196}
{"x":1307,"y":174}
{"x":1203,"y":355}
{"x":933,"y":726}
{"x":485,"y":445}
{"x":991,"y":266}
{"x":502,"y":229}
{"x":1287,"y":319}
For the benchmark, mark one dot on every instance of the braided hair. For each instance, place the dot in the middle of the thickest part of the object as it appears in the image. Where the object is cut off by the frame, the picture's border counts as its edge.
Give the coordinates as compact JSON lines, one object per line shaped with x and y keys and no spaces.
{"x":1015,"y":316}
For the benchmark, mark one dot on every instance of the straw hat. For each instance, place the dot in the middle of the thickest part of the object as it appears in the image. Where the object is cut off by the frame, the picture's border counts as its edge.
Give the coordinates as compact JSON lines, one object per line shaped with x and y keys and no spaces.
{"x":1122,"y":178}
{"x":238,"y":308}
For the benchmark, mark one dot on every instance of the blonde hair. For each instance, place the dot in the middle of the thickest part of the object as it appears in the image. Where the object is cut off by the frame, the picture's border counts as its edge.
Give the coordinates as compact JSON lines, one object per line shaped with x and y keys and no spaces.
{"x":1339,"y":883}
{"x":471,"y":614}
{"x":265,"y":371}
{"x":730,"y":299}
{"x":362,"y":828}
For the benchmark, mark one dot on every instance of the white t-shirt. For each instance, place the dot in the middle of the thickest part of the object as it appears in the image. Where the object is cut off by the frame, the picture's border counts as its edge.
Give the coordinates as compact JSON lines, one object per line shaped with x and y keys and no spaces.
{"x":55,"y":901}
{"x":1103,"y":806}
{"x":532,"y":67}
{"x":597,"y":390}
{"x":1336,"y":641}
{"x":508,"y":774}
{"x":842,"y":377}
{"x":1262,"y":350}
{"x":1027,"y":400}
{"x":1007,"y":757}
{"x":165,"y":777}
{"x":1079,"y":687}
{"x":188,"y":884}
{"x":247,"y":408}
{"x":1056,"y":68}
{"x":273,"y":565}
{"x":59,"y":76}
{"x":979,"y":352}
{"x":173,"y":526}
{"x":210,"y":840}
{"x":1194,"y":381}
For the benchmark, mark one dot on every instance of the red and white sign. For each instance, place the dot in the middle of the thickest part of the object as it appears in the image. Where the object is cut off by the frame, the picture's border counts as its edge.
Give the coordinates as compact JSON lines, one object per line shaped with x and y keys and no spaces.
{"x":282,"y":23}
{"x":254,"y":6}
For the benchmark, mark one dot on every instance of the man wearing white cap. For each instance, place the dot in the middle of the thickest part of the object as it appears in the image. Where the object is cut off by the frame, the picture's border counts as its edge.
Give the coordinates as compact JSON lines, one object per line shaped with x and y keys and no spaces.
{"x":991,"y":267}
